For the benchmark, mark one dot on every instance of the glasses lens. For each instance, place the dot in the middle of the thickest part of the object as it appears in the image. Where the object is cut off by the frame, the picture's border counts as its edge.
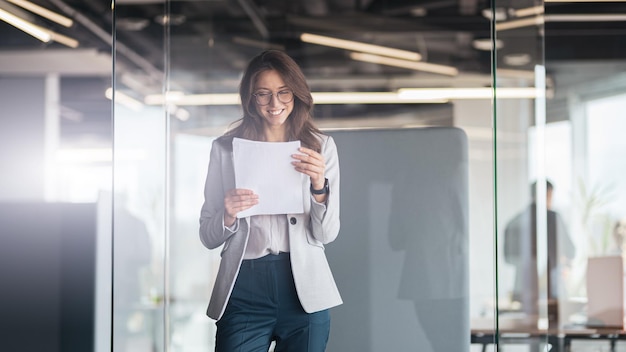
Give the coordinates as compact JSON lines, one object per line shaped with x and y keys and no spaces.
{"x":263,"y":98}
{"x":285,"y":96}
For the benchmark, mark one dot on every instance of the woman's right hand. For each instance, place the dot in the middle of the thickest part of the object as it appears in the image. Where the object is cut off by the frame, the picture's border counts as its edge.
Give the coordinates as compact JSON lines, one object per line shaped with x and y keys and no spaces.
{"x":238,"y":200}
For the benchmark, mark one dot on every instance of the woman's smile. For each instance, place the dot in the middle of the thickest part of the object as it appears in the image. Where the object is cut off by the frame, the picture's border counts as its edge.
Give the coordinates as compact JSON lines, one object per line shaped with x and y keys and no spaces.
{"x":276,"y":112}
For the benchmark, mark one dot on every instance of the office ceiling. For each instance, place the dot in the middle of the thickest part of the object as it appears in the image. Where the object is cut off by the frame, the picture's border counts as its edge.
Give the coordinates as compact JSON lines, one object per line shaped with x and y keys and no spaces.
{"x":210,"y":42}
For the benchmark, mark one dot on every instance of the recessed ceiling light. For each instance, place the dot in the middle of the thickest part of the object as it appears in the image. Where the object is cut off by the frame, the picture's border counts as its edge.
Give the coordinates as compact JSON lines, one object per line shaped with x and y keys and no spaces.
{"x":418,"y":12}
{"x":486,"y":44}
{"x":517,"y":59}
{"x":171,"y":19}
{"x":132,"y":24}
{"x":500,"y":14}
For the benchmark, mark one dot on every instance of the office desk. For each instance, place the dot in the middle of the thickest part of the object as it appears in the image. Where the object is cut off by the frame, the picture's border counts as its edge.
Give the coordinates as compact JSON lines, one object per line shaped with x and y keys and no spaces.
{"x":560,"y":339}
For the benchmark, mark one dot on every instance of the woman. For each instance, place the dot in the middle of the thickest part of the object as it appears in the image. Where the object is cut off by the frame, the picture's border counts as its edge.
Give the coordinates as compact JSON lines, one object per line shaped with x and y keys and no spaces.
{"x":274,"y":282}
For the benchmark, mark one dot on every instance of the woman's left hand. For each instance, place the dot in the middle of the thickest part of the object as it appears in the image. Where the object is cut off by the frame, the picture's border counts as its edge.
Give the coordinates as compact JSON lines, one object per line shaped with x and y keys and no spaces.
{"x":311,"y":163}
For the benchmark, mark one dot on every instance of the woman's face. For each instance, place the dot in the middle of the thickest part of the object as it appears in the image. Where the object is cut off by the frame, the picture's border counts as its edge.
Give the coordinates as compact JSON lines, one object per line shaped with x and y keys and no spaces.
{"x":275,"y":112}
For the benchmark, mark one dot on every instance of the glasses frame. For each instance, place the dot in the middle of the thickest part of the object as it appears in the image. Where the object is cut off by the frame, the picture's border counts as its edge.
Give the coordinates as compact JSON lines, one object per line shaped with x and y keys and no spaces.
{"x":261,"y":95}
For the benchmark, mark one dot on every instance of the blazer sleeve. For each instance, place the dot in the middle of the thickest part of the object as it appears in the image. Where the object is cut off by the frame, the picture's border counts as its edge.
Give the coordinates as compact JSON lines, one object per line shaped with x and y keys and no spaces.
{"x":325,"y":225}
{"x":212,"y":231}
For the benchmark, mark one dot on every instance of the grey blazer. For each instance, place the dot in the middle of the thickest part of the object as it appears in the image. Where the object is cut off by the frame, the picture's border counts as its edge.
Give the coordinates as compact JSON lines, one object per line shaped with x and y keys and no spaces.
{"x":307,"y":234}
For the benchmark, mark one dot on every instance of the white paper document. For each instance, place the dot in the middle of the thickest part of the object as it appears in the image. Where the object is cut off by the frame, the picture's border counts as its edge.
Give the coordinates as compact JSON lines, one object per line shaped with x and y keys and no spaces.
{"x":266,"y":169}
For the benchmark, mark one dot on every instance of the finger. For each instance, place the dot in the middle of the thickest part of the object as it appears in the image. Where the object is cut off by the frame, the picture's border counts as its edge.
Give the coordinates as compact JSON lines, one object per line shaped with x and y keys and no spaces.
{"x":243,"y":198}
{"x":234,"y":196}
{"x":232,"y":208}
{"x":239,"y":191}
{"x":309,"y":155}
{"x":305,"y":158}
{"x":309,"y":169}
{"x":308,"y":151}
{"x":236,"y":200}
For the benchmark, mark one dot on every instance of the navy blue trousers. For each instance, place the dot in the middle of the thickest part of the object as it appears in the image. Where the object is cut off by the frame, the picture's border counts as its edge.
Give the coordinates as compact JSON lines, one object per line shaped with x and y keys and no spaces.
{"x":264,"y":307}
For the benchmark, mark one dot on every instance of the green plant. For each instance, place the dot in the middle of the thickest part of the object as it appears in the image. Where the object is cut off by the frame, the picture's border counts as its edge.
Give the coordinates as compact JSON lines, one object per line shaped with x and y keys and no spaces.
{"x":595,"y":220}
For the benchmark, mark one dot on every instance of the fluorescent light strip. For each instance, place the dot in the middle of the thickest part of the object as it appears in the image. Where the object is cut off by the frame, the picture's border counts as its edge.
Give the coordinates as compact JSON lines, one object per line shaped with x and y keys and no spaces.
{"x":616,"y":17}
{"x":530,"y":11}
{"x":319,"y":98}
{"x":403,"y":96}
{"x":358,"y":46}
{"x":526,"y":22}
{"x":467,"y":93}
{"x":194,"y":99}
{"x":43,"y":12}
{"x":538,"y":20}
{"x":65,"y":40}
{"x":25,"y":26}
{"x":124,"y":100}
{"x":368,"y":98}
{"x":38,"y":32}
{"x":411,"y":65}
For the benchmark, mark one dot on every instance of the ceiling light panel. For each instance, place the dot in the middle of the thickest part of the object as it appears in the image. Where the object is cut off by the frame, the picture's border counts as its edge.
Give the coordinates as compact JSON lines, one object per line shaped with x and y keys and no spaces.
{"x":43,"y":12}
{"x":361,"y":47}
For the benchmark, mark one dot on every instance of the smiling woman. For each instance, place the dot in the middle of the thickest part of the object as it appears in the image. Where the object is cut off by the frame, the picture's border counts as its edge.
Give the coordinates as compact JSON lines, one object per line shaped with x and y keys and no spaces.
{"x":274,"y":283}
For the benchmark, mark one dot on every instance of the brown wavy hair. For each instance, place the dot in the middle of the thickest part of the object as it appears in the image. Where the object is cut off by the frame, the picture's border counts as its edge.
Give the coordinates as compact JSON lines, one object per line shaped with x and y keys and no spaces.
{"x":299,"y":124}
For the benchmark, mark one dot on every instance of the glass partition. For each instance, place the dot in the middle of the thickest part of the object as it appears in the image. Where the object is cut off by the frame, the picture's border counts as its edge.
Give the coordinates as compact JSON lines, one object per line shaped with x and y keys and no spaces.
{"x":583,"y":130}
{"x":141,"y":187}
{"x":417,"y":221}
{"x":444,"y":243}
{"x":560,"y":276}
{"x":532,"y":124}
{"x":526,"y":273}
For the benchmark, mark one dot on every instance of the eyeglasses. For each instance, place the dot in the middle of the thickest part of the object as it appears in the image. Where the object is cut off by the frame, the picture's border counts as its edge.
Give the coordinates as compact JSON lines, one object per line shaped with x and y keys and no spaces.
{"x":284,"y":96}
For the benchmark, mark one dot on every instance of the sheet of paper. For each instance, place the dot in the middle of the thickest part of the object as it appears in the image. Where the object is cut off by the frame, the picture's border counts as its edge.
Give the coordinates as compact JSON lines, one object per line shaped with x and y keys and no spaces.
{"x":265,"y":168}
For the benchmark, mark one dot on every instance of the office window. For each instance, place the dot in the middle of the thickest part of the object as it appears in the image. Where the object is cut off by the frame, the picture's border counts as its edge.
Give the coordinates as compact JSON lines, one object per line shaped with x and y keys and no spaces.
{"x":606,"y":167}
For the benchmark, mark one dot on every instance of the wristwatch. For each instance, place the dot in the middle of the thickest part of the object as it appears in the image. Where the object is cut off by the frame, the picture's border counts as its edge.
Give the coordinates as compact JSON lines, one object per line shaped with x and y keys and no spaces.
{"x":324,"y":190}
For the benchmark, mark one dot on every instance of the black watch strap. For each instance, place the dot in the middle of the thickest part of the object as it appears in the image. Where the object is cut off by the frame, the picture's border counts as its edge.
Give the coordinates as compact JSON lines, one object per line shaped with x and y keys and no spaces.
{"x":324,"y":190}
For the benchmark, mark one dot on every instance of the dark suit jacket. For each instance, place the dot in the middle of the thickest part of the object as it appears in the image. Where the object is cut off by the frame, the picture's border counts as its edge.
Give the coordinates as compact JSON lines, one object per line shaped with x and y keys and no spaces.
{"x":520,"y":250}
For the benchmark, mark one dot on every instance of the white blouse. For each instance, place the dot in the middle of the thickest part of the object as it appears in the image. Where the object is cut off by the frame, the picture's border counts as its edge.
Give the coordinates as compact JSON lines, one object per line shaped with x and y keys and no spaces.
{"x":269,"y":234}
